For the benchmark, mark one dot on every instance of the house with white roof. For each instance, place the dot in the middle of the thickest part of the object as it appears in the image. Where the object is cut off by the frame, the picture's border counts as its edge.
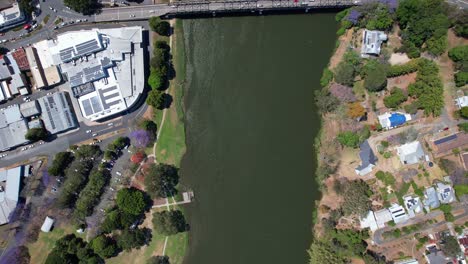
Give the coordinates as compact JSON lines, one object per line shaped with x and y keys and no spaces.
{"x":382,"y":217}
{"x":413,"y":205}
{"x":369,"y":221}
{"x":398,"y":213}
{"x":462,"y":101}
{"x":371,"y":42}
{"x":445,"y":193}
{"x":10,"y":182}
{"x":411,"y":153}
{"x":431,"y":200}
{"x":393,"y":119}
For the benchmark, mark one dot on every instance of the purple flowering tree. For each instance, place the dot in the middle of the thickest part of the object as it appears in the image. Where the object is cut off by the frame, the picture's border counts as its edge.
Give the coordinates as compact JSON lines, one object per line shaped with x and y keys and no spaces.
{"x":140,"y":138}
{"x":354,"y":16}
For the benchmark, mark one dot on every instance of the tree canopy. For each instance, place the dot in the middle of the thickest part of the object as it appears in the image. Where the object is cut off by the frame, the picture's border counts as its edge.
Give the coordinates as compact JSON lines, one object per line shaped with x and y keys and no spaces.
{"x":159,"y":26}
{"x":357,"y":195}
{"x":451,"y":248}
{"x":61,"y":161}
{"x":104,"y":246}
{"x":133,"y":238}
{"x":355,"y":110}
{"x":169,"y":222}
{"x":161,"y":180}
{"x":375,"y":76}
{"x":158,"y":260}
{"x":72,"y":249}
{"x":37,"y":133}
{"x":322,"y":253}
{"x":86,"y":7}
{"x":396,"y":97}
{"x":131,"y":200}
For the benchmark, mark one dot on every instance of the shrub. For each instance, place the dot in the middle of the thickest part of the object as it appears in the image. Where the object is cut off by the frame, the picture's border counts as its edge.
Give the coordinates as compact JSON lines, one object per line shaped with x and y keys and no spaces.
{"x":349,"y":139}
{"x":35,"y":134}
{"x":327,"y":77}
{"x":355,"y":110}
{"x":461,"y":78}
{"x":396,"y":97}
{"x":397,"y":70}
{"x":375,"y":76}
{"x":61,"y":161}
{"x":463,"y":127}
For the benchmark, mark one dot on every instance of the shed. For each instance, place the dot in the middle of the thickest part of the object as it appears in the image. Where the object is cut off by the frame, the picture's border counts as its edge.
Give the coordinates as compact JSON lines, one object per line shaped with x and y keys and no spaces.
{"x":47,"y":225}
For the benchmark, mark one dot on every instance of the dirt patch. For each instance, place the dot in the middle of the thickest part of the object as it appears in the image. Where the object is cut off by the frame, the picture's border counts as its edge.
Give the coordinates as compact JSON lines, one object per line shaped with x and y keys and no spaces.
{"x":402,"y":81}
{"x":340,"y":51}
{"x":454,"y":41}
{"x":398,"y":58}
{"x":394,"y":40}
{"x":149,"y":113}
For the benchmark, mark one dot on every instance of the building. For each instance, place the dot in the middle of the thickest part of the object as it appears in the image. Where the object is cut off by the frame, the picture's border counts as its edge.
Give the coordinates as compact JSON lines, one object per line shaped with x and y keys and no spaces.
{"x":369,"y":221}
{"x":463,"y":241}
{"x":11,"y":17}
{"x":12,"y":128}
{"x":371,"y":42}
{"x":444,"y":146}
{"x":413,"y":205}
{"x":382,"y":217}
{"x":393,"y":119}
{"x":445,"y":193}
{"x":406,"y":261}
{"x":431,"y":200}
{"x":35,"y":123}
{"x":21,"y":59}
{"x":411,"y":153}
{"x":57,"y":114}
{"x":368,"y":159}
{"x":10,"y":182}
{"x":462,"y":101}
{"x":47,"y":225}
{"x":36,"y":68}
{"x":398,"y":213}
{"x":29,"y":109}
{"x":104,"y":67}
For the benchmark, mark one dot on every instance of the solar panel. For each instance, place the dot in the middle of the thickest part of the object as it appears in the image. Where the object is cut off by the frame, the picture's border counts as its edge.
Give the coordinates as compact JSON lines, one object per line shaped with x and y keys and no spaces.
{"x":66,"y":54}
{"x":93,"y":73}
{"x":11,"y":16}
{"x":111,"y":96}
{"x":87,"y":47}
{"x":108,"y":105}
{"x":445,"y":139}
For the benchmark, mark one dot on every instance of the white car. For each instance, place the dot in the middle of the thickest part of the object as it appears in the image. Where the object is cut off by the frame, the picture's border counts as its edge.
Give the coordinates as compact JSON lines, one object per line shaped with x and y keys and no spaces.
{"x":95,"y":134}
{"x":88,"y":131}
{"x":110,"y":124}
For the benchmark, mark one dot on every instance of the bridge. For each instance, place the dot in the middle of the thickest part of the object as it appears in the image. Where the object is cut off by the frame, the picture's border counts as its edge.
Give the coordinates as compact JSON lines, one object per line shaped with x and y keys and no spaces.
{"x":180,"y":8}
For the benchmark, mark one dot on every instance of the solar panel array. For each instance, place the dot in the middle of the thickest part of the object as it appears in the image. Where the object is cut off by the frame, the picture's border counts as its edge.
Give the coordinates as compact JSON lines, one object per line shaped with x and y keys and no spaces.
{"x":66,"y":55}
{"x":87,"y":107}
{"x":445,"y":139}
{"x":93,"y":73}
{"x":87,"y":47}
{"x":11,"y":16}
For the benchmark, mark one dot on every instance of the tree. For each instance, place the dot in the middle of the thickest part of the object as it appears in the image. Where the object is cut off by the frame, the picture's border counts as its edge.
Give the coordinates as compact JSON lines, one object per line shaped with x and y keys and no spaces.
{"x":104,"y":246}
{"x":161,"y":180}
{"x":464,"y":112}
{"x":342,"y":93}
{"x":325,"y":101}
{"x":158,"y":260}
{"x":155,"y":99}
{"x":71,"y":249}
{"x":327,"y":77}
{"x":86,"y":7}
{"x":138,"y":157}
{"x":163,"y":28}
{"x":349,"y":139}
{"x":381,"y":19}
{"x":355,"y":110}
{"x":451,"y":248}
{"x":169,"y":222}
{"x":131,"y":200}
{"x":459,"y":53}
{"x":396,"y":97}
{"x":135,"y":238}
{"x":461,"y":78}
{"x":149,"y":126}
{"x":320,"y":252}
{"x":357,"y":195}
{"x":156,"y":79}
{"x":345,"y":74}
{"x":35,"y":134}
{"x":375,"y":76}
{"x":437,"y":46}
{"x":26,"y":7}
{"x":60,"y":163}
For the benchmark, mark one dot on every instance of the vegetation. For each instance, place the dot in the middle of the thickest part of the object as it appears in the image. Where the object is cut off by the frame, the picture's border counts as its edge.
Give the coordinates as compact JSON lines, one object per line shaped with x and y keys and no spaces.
{"x":91,"y":193}
{"x":163,"y":28}
{"x":86,"y":7}
{"x":72,"y":249}
{"x":161,"y":180}
{"x":464,"y":112}
{"x":131,"y":201}
{"x":357,"y":201}
{"x":397,"y":96}
{"x":327,"y":77}
{"x":75,"y":179}
{"x":133,"y":238}
{"x":117,"y":219}
{"x":424,"y":23}
{"x":104,"y":246}
{"x":158,"y":260}
{"x":169,"y":222}
{"x":26,"y":6}
{"x":320,"y":252}
{"x":36,"y":134}
{"x":386,"y":178}
{"x":402,"y":69}
{"x":353,"y":139}
{"x":461,"y":78}
{"x":451,"y":248}
{"x":375,"y":74}
{"x":355,"y":110}
{"x":463,"y":127}
{"x":447,"y":210}
{"x":428,"y":88}
{"x":348,"y":68}
{"x":155,"y":99}
{"x":325,"y":101}
{"x":60,"y":163}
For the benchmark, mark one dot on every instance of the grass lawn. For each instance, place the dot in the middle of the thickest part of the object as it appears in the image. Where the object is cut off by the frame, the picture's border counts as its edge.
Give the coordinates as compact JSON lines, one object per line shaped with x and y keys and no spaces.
{"x":176,"y":247}
{"x":140,"y":255}
{"x":46,"y":241}
{"x":171,"y":143}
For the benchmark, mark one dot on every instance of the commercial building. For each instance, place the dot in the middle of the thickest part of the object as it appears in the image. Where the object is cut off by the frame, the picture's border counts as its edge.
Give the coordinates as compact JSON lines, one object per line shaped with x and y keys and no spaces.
{"x":57,"y":114}
{"x":36,"y":68}
{"x":11,"y":17}
{"x":371,"y":42}
{"x":12,"y":128}
{"x":103,"y":67}
{"x":368,"y":159}
{"x":10,"y":182}
{"x":411,"y":153}
{"x":11,"y":78}
{"x":393,"y":119}
{"x":30,"y":109}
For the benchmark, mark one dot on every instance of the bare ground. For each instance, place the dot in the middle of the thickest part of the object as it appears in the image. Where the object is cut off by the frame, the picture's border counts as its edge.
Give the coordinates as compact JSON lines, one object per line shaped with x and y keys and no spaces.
{"x":340,"y":51}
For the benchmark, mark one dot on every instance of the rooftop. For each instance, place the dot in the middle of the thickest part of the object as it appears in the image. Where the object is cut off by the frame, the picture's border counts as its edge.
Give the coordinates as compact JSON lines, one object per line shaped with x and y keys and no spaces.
{"x":368,"y":159}
{"x":371,"y":42}
{"x":398,"y":213}
{"x":413,"y":205}
{"x":445,"y":145}
{"x":29,"y":109}
{"x":10,"y":16}
{"x":410,"y":153}
{"x":57,"y":114}
{"x":445,"y":193}
{"x":9,"y":192}
{"x":431,"y":201}
{"x":393,"y":119}
{"x":20,"y":57}
{"x":462,"y":101}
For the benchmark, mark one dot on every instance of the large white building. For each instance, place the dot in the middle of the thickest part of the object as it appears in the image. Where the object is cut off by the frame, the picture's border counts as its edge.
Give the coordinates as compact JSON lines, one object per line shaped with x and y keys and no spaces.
{"x":11,"y":17}
{"x":104,"y":68}
{"x":10,"y":182}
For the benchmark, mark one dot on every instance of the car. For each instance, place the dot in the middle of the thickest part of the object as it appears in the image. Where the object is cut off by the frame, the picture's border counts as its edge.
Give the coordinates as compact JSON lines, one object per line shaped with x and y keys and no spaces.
{"x":34,"y":26}
{"x":56,"y":27}
{"x":88,"y":131}
{"x":95,"y":134}
{"x":78,"y":21}
{"x":118,"y":173}
{"x":51,"y":8}
{"x":110,"y":124}
{"x":85,"y":20}
{"x":42,"y":142}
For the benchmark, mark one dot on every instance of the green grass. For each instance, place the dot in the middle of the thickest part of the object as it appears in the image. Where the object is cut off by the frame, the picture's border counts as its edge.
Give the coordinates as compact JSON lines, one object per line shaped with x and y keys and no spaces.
{"x":46,"y":19}
{"x":176,"y":247}
{"x":461,"y":189}
{"x":171,"y":143}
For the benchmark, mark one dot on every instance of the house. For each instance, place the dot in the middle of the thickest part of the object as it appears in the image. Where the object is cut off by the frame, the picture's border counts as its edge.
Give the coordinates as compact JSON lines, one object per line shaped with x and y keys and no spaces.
{"x":382,"y":217}
{"x":11,"y":17}
{"x":462,"y":101}
{"x":413,"y":205}
{"x":371,"y":42}
{"x":393,"y":119}
{"x":445,"y":193}
{"x":431,"y":200}
{"x":463,"y":241}
{"x":47,"y":225}
{"x":411,"y":153}
{"x":368,"y":159}
{"x":369,"y":221}
{"x":398,"y":213}
{"x":445,"y":146}
{"x":406,"y":261}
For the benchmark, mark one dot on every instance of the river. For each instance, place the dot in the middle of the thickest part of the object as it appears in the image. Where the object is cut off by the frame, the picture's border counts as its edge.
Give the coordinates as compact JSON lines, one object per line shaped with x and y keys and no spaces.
{"x":250,"y":128}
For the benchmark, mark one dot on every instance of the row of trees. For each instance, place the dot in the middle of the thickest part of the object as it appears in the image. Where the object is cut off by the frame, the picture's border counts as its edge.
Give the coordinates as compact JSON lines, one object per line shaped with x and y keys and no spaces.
{"x":114,"y":149}
{"x":61,"y":161}
{"x":161,"y":180}
{"x":91,"y":193}
{"x":86,"y":7}
{"x":160,"y":66}
{"x":459,"y":56}
{"x":159,"y":26}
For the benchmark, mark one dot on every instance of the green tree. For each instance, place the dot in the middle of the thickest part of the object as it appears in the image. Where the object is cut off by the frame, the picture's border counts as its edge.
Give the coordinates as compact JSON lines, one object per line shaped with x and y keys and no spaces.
{"x":156,"y":79}
{"x":437,"y":46}
{"x":396,"y":97}
{"x":169,"y":222}
{"x":158,"y":260}
{"x":155,"y":99}
{"x":72,"y":249}
{"x":357,"y":195}
{"x":327,"y":77}
{"x":60,"y":163}
{"x":451,"y":248}
{"x":459,"y":53}
{"x":86,"y":7}
{"x":325,"y":101}
{"x":35,"y":134}
{"x":461,"y":79}
{"x":345,"y":74}
{"x":131,"y":200}
{"x":320,"y":252}
{"x":161,"y":180}
{"x":163,"y":28}
{"x":26,"y":7}
{"x":104,"y":246}
{"x":349,"y":139}
{"x":381,"y":19}
{"x":464,"y":112}
{"x":375,"y":76}
{"x":130,"y":239}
